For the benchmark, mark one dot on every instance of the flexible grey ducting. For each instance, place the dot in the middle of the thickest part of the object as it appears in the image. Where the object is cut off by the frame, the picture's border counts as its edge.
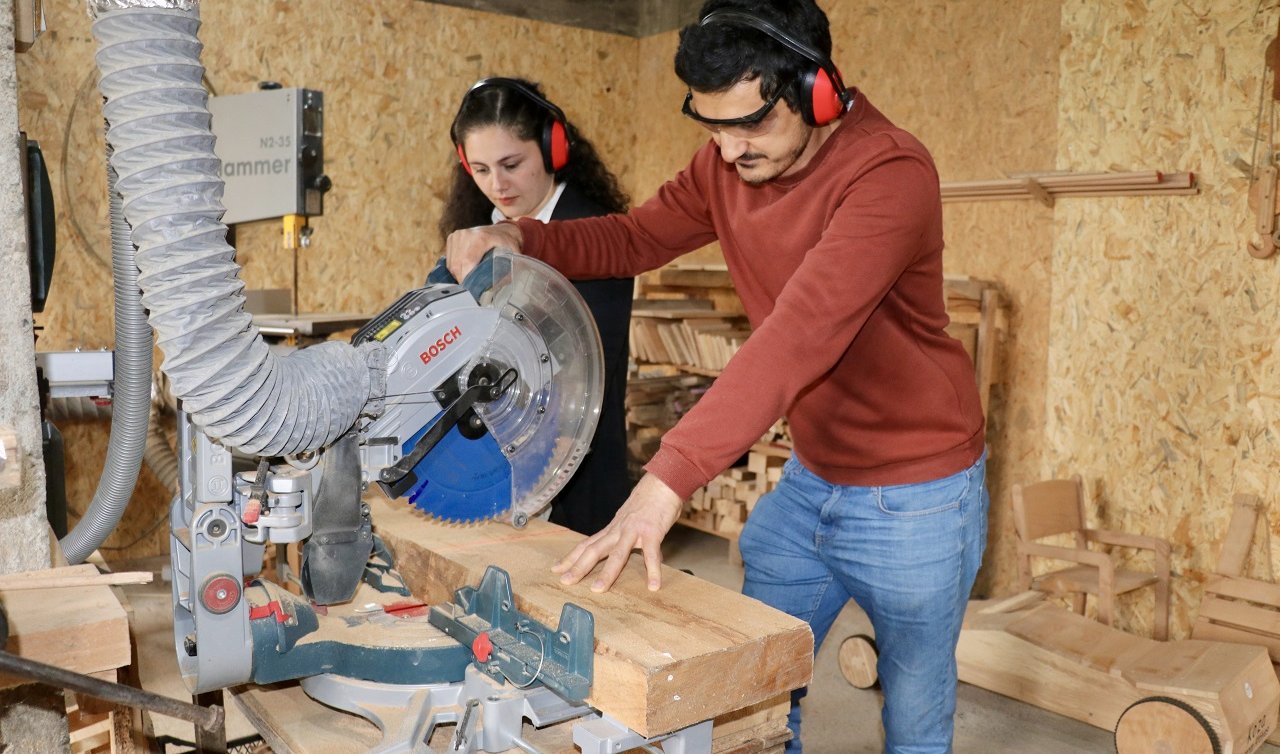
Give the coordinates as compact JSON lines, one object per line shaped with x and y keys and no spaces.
{"x":160,"y":456}
{"x":235,"y":389}
{"x":131,"y":397}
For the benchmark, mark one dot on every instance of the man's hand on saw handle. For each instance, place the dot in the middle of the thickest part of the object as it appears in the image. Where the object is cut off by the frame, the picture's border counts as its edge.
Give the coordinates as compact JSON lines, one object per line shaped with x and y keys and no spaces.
{"x":640,"y":523}
{"x":464,"y":248}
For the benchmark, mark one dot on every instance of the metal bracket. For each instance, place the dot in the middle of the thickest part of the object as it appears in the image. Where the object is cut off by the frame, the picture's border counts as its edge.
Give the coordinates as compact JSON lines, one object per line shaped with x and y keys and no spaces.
{"x":522,"y":650}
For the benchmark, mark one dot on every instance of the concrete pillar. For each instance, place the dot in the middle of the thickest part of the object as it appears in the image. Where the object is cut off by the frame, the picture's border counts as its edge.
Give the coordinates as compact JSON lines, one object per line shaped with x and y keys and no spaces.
{"x":32,"y":718}
{"x":24,"y":539}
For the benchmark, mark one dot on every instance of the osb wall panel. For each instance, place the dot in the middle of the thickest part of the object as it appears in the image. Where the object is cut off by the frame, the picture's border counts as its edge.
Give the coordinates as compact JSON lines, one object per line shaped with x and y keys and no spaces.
{"x":392,"y":72}
{"x":666,"y":140}
{"x":977,"y":83}
{"x":1162,"y":389}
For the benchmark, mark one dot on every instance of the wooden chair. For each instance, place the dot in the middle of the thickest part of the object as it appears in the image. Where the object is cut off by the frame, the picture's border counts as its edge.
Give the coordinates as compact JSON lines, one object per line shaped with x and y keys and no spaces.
{"x":1056,"y":507}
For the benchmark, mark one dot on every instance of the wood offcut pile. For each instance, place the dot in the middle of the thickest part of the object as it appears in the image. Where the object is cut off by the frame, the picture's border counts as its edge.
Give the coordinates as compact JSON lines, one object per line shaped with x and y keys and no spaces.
{"x":687,"y":316}
{"x":686,"y":323}
{"x":722,"y":507}
{"x":656,"y":399}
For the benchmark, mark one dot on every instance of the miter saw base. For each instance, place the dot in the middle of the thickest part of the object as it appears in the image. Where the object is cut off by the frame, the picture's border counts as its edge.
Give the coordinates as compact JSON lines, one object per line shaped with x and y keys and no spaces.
{"x":487,"y":715}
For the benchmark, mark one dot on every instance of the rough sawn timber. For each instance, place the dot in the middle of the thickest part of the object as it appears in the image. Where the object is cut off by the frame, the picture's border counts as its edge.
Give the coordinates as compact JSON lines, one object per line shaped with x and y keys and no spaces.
{"x":664,"y":660}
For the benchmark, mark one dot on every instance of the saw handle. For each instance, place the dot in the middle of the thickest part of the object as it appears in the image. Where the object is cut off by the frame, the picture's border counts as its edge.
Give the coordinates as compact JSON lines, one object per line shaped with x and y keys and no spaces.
{"x":477,"y":281}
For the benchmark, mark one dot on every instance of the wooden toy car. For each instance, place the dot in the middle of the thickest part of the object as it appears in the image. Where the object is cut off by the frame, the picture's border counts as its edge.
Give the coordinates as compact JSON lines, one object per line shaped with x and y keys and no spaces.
{"x":1188,"y":697}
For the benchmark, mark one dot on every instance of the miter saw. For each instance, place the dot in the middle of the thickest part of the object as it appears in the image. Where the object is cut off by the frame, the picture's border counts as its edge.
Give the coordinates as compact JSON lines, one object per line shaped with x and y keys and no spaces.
{"x":493,"y":392}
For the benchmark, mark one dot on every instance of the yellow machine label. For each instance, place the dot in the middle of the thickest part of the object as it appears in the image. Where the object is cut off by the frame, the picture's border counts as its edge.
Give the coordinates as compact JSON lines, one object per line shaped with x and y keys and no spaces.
{"x":385,"y":332}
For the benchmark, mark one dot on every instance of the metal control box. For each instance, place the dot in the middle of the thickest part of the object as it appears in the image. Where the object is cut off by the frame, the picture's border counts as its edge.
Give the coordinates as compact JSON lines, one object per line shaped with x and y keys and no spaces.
{"x":271,"y":144}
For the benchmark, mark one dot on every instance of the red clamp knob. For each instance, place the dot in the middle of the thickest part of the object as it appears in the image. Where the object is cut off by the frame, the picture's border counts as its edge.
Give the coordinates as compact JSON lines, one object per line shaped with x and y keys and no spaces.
{"x":482,"y":646}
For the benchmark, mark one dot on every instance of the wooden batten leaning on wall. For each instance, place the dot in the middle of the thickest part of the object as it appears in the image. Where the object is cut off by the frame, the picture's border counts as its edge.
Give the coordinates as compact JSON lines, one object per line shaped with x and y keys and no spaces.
{"x":1047,"y":188}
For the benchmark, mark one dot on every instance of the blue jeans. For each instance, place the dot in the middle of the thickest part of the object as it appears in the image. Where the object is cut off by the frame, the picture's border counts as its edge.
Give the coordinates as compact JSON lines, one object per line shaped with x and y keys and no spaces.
{"x":907,"y":554}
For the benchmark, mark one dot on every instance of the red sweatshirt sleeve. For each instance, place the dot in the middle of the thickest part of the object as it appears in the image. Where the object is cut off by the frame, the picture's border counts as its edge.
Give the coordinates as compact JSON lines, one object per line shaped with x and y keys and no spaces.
{"x":675,"y":221}
{"x":880,"y":227}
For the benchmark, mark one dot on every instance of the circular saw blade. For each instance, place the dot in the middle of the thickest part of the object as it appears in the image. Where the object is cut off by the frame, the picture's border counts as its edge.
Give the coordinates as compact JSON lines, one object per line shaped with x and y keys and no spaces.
{"x":543,"y":424}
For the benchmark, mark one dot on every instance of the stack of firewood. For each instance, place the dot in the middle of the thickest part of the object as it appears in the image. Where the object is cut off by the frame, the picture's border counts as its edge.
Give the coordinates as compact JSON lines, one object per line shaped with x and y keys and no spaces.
{"x":723,"y":505}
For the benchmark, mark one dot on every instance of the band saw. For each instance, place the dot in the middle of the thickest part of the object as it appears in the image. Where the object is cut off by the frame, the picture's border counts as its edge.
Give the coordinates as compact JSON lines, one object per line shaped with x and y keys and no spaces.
{"x":493,"y":393}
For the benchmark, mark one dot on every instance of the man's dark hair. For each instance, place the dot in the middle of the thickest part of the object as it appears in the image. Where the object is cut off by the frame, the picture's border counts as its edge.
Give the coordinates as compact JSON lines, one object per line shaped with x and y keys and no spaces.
{"x":717,"y":56}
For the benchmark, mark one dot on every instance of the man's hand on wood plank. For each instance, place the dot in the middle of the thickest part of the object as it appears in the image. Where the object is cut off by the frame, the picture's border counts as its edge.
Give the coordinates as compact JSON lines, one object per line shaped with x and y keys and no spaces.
{"x":641,"y":523}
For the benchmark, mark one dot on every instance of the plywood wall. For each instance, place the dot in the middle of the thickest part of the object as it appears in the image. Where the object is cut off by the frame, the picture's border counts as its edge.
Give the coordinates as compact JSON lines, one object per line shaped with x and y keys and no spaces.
{"x":666,"y":139}
{"x":392,"y":72}
{"x":1163,"y":378}
{"x":976,"y":82}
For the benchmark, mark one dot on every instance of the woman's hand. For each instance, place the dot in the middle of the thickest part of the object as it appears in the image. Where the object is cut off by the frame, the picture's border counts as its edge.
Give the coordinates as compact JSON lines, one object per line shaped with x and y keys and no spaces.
{"x":641,"y":523}
{"x":464,"y":248}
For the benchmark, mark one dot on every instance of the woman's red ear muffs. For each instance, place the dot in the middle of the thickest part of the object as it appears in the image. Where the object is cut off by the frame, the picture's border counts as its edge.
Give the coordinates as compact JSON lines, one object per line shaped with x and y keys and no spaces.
{"x":555,"y":147}
{"x":554,"y":144}
{"x":462,"y":157}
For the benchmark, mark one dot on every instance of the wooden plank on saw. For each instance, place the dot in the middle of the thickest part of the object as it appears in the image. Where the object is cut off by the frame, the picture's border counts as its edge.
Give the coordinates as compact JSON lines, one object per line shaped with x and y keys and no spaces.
{"x":664,"y":660}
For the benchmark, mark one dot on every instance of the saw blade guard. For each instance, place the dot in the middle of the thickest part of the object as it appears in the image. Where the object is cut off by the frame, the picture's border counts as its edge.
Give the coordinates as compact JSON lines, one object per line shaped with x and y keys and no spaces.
{"x":544,"y":423}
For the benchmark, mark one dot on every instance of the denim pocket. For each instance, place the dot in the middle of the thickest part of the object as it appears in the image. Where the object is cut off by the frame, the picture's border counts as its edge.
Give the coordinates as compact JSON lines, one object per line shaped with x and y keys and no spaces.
{"x":924,"y":498}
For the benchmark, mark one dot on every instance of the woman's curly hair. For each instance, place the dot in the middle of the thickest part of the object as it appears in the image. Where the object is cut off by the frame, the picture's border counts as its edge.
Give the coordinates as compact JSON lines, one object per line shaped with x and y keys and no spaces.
{"x":508,"y":107}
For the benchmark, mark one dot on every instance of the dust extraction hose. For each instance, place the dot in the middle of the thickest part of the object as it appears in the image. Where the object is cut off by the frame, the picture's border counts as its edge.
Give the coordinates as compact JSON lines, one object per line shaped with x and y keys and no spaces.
{"x":236,"y":390}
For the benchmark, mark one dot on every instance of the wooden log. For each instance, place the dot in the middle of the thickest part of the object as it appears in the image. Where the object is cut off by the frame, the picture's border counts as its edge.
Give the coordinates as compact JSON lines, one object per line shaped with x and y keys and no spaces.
{"x":661,"y":657}
{"x":83,"y":628}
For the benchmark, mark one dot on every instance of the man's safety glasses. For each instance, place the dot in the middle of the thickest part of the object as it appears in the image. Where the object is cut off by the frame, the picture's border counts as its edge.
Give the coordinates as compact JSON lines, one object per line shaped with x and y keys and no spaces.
{"x":715,"y":124}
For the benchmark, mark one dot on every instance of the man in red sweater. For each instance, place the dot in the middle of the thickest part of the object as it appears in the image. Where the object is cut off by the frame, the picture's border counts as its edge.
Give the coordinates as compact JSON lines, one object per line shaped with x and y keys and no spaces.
{"x":830,"y":219}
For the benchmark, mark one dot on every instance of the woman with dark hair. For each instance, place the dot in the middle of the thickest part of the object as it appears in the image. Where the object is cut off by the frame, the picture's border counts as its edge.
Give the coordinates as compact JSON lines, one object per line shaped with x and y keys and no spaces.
{"x":518,"y":156}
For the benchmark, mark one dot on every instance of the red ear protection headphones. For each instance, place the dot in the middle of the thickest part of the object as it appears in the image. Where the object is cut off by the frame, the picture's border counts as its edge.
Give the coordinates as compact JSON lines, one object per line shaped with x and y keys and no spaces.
{"x":554,"y":141}
{"x":823,"y":96}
